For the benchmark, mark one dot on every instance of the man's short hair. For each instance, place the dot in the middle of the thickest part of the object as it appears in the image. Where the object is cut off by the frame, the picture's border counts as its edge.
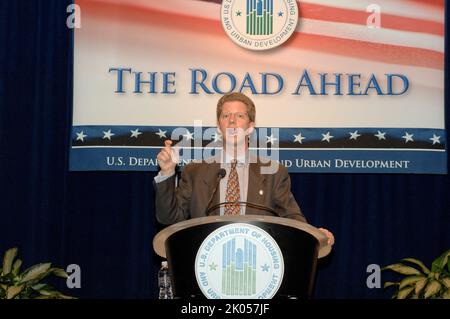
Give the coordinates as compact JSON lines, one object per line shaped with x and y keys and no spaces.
{"x":236,"y":96}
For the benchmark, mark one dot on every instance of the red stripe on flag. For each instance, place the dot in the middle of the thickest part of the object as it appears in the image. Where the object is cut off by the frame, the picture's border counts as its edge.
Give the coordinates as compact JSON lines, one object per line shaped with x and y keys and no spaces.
{"x":378,"y":52}
{"x":388,"y":21}
{"x":437,"y":3}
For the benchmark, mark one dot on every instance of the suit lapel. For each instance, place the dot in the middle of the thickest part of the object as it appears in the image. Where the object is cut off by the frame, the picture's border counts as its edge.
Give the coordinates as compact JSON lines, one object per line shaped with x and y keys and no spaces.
{"x":210,"y":180}
{"x":255,"y":182}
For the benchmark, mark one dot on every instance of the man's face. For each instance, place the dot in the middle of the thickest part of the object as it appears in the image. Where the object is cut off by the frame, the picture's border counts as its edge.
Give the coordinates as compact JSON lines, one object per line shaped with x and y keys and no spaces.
{"x":234,"y":123}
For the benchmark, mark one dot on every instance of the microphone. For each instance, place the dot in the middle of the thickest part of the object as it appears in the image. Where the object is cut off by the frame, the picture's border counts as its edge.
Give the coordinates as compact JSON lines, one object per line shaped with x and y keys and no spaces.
{"x":248,"y":204}
{"x":220,"y":174}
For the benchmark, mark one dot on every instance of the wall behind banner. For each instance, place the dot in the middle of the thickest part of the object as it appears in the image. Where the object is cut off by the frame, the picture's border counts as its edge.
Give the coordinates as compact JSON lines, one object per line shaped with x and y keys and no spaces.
{"x":104,"y":221}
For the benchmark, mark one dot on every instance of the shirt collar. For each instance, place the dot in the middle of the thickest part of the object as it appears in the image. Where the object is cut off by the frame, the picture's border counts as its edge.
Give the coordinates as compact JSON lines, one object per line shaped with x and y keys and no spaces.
{"x":241,"y":160}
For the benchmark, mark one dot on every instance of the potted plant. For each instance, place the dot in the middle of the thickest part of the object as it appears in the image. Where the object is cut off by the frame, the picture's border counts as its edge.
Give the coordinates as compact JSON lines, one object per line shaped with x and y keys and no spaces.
{"x":27,"y":284}
{"x":419,"y":282}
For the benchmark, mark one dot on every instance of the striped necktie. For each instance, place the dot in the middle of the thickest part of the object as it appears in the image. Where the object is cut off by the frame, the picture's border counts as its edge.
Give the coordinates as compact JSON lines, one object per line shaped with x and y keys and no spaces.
{"x":233,"y":193}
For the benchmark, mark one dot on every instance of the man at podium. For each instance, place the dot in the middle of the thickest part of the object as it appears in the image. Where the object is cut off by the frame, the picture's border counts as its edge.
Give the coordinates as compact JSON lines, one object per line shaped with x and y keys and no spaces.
{"x":234,"y":181}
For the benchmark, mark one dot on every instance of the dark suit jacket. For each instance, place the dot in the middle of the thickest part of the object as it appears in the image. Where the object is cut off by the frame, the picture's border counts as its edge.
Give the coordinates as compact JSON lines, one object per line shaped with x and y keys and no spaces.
{"x":190,"y":198}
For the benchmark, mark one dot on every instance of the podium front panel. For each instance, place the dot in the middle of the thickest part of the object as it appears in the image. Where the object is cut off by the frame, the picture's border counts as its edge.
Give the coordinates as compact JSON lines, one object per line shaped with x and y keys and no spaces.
{"x":299,"y":249}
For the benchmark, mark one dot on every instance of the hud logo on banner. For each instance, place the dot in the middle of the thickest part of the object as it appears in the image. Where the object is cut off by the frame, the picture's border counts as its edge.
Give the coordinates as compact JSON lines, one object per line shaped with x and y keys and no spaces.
{"x":239,"y":261}
{"x":259,"y":24}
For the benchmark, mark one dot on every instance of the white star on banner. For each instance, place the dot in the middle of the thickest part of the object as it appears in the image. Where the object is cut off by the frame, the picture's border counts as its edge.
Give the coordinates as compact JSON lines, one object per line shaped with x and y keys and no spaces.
{"x":271,"y":139}
{"x":298,"y":138}
{"x":135,"y":133}
{"x":408,"y":137}
{"x":327,"y":137}
{"x":189,"y":135}
{"x":108,"y":134}
{"x":381,"y":136}
{"x":81,"y":136}
{"x":435,"y":139}
{"x":161,"y":133}
{"x":354,"y":135}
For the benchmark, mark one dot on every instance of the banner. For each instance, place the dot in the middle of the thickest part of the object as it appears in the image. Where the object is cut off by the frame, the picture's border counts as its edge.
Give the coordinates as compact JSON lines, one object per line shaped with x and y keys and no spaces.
{"x":339,"y":86}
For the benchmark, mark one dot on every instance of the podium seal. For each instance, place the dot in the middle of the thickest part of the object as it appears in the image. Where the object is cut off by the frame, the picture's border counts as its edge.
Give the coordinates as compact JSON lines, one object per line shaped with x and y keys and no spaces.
{"x":239,"y":261}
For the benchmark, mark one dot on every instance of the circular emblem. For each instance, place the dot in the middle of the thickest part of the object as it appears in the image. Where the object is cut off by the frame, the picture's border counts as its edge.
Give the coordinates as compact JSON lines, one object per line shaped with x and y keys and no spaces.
{"x":239,"y":261}
{"x":259,"y":24}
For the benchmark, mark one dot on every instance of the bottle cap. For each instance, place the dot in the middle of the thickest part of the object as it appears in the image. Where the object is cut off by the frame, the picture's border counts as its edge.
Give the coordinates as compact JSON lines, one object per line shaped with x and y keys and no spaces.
{"x":164,"y":263}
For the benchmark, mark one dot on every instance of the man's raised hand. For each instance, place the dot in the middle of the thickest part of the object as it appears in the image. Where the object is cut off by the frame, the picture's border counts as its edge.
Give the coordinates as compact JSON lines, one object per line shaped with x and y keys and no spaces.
{"x":167,"y":158}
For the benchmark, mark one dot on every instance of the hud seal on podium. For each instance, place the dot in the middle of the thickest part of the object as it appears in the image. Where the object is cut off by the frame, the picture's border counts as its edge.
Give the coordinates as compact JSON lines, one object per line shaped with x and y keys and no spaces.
{"x":239,"y":261}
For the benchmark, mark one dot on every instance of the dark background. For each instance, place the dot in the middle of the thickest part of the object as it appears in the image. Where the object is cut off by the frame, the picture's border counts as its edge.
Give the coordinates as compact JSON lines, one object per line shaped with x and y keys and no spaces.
{"x":104,"y":221}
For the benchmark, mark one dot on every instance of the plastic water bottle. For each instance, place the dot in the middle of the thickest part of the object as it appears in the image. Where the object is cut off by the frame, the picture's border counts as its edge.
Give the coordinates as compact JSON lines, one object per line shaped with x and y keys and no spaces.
{"x":165,"y":286}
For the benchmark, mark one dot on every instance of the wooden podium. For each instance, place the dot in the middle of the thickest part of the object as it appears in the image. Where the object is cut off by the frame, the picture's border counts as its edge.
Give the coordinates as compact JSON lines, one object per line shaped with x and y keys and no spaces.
{"x":301,"y":245}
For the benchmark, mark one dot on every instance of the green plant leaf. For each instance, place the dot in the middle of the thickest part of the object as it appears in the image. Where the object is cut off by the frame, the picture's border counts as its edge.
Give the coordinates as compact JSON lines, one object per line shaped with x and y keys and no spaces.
{"x":46,"y":292}
{"x":8,"y":259}
{"x":446,"y":294}
{"x":403,"y":294}
{"x":62,"y":296}
{"x":35,"y":272}
{"x":53,"y":294}
{"x":390,"y":284}
{"x":38,"y":287}
{"x":26,"y":285}
{"x":8,"y":279}
{"x":16,"y":267}
{"x":440,"y":262}
{"x":402,"y":269}
{"x":446,"y":282}
{"x":418,"y":263}
{"x":410,"y":280}
{"x":59,"y":272}
{"x":420,"y":285}
{"x":432,"y":288}
{"x":13,"y":291}
{"x":43,"y":297}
